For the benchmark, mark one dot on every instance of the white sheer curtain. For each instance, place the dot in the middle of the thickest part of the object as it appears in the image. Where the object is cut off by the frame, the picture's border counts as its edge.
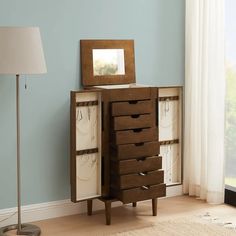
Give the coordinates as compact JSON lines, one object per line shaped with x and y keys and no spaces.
{"x":204,"y":100}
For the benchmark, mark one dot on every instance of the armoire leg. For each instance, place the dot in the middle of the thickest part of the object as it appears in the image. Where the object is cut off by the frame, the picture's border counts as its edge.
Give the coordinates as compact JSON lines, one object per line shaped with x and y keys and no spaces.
{"x":108,"y":212}
{"x":154,"y":206}
{"x":134,"y":204}
{"x":89,"y":207}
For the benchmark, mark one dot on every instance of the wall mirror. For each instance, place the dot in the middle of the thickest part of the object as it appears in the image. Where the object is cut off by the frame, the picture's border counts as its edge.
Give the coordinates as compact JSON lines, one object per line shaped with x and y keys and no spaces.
{"x":106,"y":62}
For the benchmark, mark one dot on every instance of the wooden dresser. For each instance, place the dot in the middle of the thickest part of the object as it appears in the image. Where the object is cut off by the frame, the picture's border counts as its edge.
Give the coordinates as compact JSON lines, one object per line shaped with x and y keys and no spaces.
{"x":135,"y":164}
{"x":115,"y":149}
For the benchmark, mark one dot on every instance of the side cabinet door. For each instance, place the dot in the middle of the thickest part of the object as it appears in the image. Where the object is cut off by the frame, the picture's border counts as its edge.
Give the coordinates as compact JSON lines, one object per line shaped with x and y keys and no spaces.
{"x":85,"y":145}
{"x":170,"y":133}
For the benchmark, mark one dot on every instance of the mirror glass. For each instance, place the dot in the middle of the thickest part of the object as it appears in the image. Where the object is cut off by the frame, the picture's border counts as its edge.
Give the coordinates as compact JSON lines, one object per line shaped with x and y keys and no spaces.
{"x":108,"y":62}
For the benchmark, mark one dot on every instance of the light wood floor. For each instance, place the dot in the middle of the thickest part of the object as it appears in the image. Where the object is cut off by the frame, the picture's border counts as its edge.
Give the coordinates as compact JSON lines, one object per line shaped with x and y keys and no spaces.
{"x":127,"y":218}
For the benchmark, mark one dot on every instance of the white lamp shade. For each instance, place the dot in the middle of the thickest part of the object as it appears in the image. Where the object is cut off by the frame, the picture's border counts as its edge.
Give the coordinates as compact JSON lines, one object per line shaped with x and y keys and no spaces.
{"x":21,"y":51}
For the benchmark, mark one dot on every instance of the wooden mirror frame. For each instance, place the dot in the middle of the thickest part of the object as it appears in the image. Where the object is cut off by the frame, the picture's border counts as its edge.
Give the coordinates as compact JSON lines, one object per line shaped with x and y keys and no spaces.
{"x":86,"y":56}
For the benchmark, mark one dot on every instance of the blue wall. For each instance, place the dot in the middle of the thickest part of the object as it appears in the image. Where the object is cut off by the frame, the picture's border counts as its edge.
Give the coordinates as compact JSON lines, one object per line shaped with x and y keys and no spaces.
{"x":157,"y":26}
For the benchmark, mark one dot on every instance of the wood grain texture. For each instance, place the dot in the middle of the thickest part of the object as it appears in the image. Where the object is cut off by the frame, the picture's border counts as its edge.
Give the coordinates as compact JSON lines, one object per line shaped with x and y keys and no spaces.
{"x":130,"y":94}
{"x":130,"y":147}
{"x":134,"y":136}
{"x":139,"y":194}
{"x":89,"y":207}
{"x":130,"y":151}
{"x":134,"y":148}
{"x":131,"y":108}
{"x":136,"y":165}
{"x":154,"y":206}
{"x":154,"y":96}
{"x":138,"y":180}
{"x":108,"y":212}
{"x":72,"y":146}
{"x":105,"y":144}
{"x":133,"y":122}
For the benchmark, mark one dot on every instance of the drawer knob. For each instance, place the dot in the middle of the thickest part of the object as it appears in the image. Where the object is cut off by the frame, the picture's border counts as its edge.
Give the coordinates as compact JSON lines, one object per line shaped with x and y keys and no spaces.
{"x":135,"y":116}
{"x":139,"y":144}
{"x":144,"y":187}
{"x":133,"y":102}
{"x":137,"y":130}
{"x":142,"y":174}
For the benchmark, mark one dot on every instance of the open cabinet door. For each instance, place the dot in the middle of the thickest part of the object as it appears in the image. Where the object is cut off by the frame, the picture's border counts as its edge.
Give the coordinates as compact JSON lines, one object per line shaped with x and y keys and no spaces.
{"x":170,"y":133}
{"x":85,"y":145}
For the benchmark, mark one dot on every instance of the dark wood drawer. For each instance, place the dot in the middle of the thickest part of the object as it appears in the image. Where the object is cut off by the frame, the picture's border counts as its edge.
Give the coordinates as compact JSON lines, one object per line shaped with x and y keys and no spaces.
{"x":131,"y":108}
{"x":136,"y":165}
{"x":135,"y":136}
{"x":130,"y":94}
{"x":129,"y":151}
{"x":141,"y":193}
{"x":138,"y":180}
{"x":133,"y":122}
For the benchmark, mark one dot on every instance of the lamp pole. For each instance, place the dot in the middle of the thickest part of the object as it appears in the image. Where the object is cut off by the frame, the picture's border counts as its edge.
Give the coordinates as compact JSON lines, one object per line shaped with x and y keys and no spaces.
{"x":18,"y":153}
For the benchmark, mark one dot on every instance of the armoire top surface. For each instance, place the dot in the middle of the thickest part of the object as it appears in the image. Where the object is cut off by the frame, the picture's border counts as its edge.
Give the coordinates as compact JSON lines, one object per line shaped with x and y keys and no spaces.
{"x":122,"y":86}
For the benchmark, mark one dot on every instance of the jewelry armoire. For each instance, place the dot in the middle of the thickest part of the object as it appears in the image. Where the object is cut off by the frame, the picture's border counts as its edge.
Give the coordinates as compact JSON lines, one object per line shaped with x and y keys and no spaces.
{"x":115,"y":146}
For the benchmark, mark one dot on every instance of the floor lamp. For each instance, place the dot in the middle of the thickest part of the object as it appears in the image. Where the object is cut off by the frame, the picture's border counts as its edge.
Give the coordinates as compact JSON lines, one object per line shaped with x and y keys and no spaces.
{"x":21,"y":52}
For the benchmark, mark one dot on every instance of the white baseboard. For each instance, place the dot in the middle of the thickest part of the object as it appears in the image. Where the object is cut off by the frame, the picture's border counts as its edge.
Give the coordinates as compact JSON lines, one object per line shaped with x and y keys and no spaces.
{"x":173,"y":191}
{"x":49,"y":210}
{"x":43,"y":211}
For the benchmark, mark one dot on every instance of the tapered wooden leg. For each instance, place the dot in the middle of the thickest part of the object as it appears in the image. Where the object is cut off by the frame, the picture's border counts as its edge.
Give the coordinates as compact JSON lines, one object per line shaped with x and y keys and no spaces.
{"x":89,"y":207}
{"x":108,"y":212}
{"x":134,"y":204}
{"x":154,"y":206}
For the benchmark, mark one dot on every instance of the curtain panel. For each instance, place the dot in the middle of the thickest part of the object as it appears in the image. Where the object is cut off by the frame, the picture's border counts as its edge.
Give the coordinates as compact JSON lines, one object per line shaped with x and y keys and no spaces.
{"x":204,"y":100}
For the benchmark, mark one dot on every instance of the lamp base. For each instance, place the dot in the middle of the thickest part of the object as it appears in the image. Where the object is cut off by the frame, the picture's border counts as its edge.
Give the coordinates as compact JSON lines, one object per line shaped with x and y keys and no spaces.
{"x":26,"y":229}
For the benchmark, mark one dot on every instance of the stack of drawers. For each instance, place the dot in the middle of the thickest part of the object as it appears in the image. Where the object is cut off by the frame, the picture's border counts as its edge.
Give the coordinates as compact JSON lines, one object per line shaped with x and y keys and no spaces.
{"x":135,"y":167}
